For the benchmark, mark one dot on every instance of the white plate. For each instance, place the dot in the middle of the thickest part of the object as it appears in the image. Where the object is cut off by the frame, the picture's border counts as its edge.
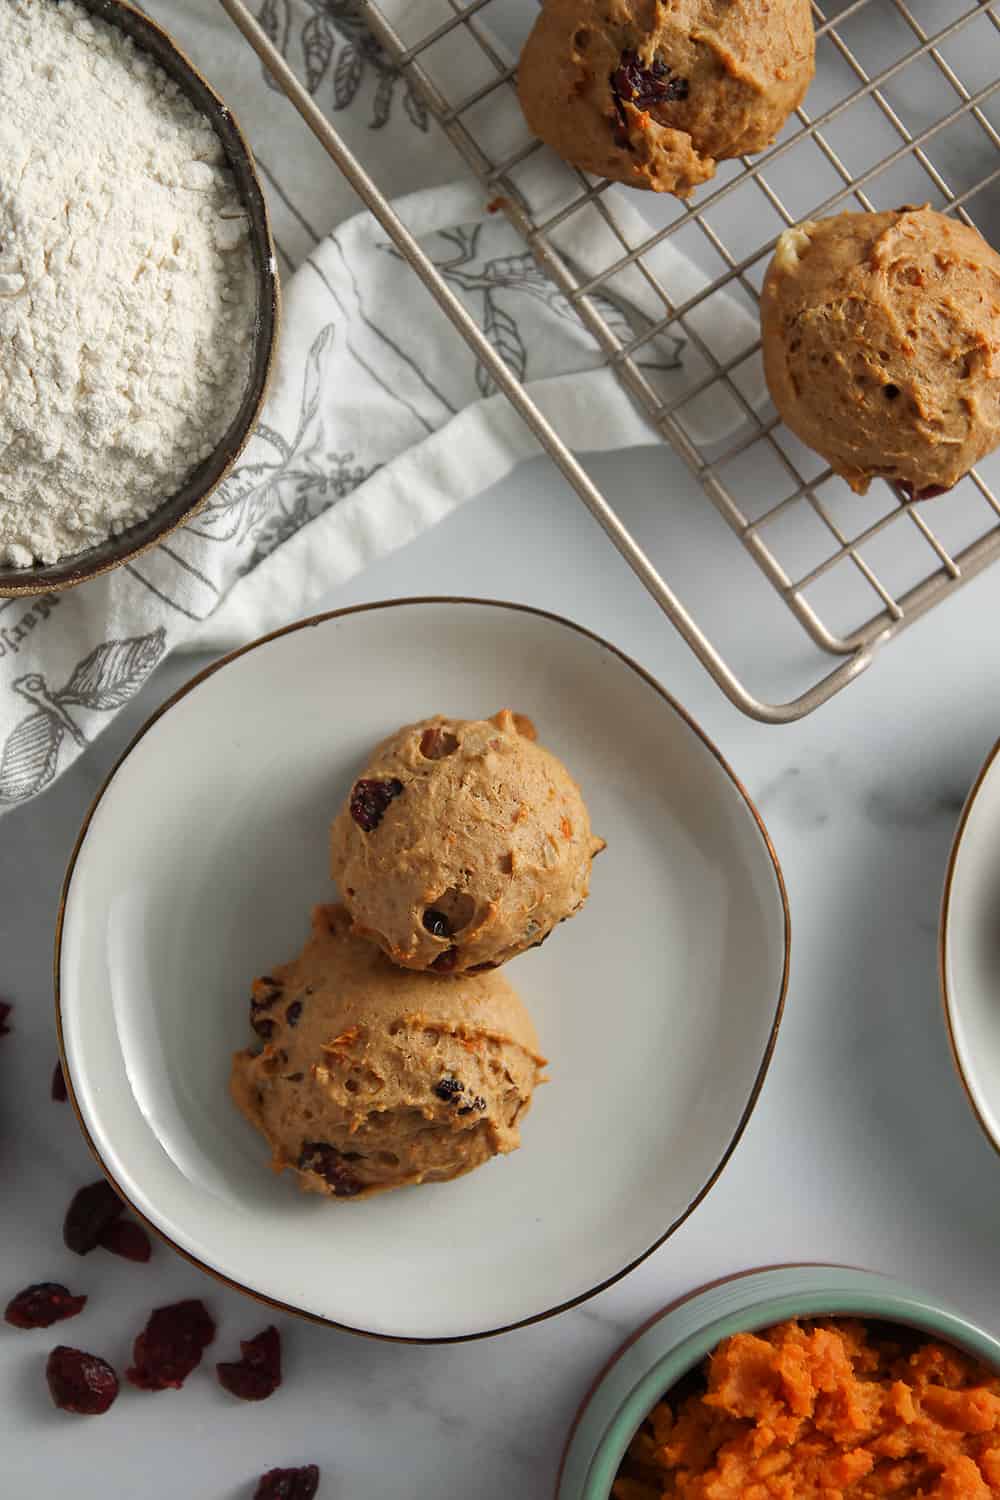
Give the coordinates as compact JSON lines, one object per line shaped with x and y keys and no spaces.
{"x":658,"y":1006}
{"x":970,"y":947}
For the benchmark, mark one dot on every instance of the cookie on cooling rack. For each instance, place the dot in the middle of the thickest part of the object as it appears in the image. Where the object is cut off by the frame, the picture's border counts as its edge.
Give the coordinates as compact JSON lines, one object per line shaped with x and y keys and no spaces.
{"x":655,"y":95}
{"x":882,"y":345}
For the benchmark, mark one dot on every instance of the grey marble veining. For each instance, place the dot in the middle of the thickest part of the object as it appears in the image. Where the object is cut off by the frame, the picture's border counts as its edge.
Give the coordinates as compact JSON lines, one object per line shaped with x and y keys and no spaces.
{"x":861,"y":1149}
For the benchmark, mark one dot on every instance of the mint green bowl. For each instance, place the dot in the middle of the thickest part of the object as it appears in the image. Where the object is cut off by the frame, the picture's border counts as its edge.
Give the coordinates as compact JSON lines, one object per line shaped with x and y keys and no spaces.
{"x":674,"y":1342}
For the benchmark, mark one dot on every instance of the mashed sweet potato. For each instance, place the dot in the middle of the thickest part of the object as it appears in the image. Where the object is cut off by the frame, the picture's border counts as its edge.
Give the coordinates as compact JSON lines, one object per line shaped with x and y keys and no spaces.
{"x":825,"y":1410}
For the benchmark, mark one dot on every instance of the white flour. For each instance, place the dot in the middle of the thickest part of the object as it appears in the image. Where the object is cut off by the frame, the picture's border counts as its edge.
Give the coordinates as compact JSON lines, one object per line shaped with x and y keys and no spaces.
{"x":126,"y":290}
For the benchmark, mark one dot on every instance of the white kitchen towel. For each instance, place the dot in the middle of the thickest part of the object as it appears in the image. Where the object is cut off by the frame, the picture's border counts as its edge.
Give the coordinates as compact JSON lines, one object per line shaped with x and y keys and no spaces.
{"x":380,"y":420}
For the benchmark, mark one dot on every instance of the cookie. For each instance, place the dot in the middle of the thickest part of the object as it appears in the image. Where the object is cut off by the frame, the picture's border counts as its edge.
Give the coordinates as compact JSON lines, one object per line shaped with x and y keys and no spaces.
{"x":462,"y":843}
{"x":655,"y":94}
{"x":372,"y":1077}
{"x":881,"y":336}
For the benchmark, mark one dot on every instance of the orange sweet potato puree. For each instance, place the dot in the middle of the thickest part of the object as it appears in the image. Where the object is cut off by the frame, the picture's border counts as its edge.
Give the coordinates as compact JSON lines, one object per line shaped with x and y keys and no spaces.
{"x":824,"y":1410}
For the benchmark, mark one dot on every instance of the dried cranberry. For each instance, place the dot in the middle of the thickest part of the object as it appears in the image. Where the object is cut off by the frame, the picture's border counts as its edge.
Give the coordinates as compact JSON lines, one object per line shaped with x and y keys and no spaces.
{"x":293,"y":1013}
{"x":646,"y":85}
{"x":446,"y":961}
{"x":437,"y":923}
{"x":288,"y":1484}
{"x":93,"y":1208}
{"x":911,"y":494}
{"x":369,"y":800}
{"x":5,"y":1010}
{"x":258,"y":1374}
{"x":43,"y":1304}
{"x":59,"y":1085}
{"x":124,"y":1238}
{"x":448,"y":1089}
{"x":170,"y":1346}
{"x":265,"y":992}
{"x":80,"y":1382}
{"x":327,"y":1162}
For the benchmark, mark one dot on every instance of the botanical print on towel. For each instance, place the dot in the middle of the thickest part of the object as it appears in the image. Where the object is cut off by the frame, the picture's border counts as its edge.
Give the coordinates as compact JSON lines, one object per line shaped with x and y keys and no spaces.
{"x":102,"y":682}
{"x":335,"y":47}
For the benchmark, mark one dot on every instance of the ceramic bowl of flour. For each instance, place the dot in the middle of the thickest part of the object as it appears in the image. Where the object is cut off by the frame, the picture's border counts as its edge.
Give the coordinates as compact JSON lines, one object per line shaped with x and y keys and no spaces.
{"x":124,"y":496}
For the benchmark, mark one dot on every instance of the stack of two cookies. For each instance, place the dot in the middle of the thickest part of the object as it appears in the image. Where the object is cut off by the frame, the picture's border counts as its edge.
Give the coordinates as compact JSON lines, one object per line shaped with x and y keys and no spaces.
{"x":394,"y":1050}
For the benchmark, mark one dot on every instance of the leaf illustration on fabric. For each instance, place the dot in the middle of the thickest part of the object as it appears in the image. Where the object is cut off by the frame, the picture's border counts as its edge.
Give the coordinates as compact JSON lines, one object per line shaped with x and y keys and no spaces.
{"x":347,"y":76}
{"x":312,"y":381}
{"x":271,"y":435}
{"x":415,"y":106}
{"x":614,"y":316}
{"x":346,"y":17}
{"x":113,"y":672}
{"x":317,"y":482}
{"x":518,"y":271}
{"x":465,"y":238}
{"x":231,"y":494}
{"x":30,"y":756}
{"x":318,"y":42}
{"x":502,"y":332}
{"x":382,"y":105}
{"x":277,"y":529}
{"x":275,"y":20}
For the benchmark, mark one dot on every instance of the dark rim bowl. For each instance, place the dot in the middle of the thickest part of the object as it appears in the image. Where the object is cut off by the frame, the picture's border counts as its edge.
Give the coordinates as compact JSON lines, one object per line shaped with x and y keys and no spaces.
{"x":100,"y":1148}
{"x":48,"y":578}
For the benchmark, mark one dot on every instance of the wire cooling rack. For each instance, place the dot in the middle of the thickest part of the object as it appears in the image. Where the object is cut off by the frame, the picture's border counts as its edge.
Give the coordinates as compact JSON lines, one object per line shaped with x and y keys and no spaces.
{"x":904,"y":108}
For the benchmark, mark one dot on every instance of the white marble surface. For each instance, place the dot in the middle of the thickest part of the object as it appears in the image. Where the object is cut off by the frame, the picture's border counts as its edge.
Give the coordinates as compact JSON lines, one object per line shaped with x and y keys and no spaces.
{"x":861,"y":1149}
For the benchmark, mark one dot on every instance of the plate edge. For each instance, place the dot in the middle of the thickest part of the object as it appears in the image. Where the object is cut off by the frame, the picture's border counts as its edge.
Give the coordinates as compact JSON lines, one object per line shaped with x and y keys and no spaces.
{"x":311,"y":622}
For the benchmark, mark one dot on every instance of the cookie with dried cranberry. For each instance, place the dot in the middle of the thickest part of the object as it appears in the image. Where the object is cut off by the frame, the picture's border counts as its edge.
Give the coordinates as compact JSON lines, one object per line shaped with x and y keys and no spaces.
{"x":463,"y":843}
{"x":374,"y":1077}
{"x":656,"y":95}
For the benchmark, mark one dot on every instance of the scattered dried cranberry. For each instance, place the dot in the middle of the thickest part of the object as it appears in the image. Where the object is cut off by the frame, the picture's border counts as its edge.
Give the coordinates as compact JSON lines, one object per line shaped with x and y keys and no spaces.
{"x":448,"y":1089}
{"x":293,"y":1013}
{"x":369,"y":800}
{"x":93,"y":1208}
{"x":645,"y":86}
{"x":263,"y":1026}
{"x":123,"y":1237}
{"x":5,"y":1010}
{"x":437,"y":923}
{"x":80,"y":1382}
{"x":327,"y":1162}
{"x":59,"y":1085}
{"x":170,"y":1346}
{"x":446,"y":961}
{"x":288,"y":1484}
{"x":43,"y":1304}
{"x":258,"y":1374}
{"x":910,"y":492}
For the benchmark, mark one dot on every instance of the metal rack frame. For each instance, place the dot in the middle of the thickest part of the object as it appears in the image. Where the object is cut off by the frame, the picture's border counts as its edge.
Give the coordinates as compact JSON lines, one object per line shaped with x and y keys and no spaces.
{"x":847,"y":542}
